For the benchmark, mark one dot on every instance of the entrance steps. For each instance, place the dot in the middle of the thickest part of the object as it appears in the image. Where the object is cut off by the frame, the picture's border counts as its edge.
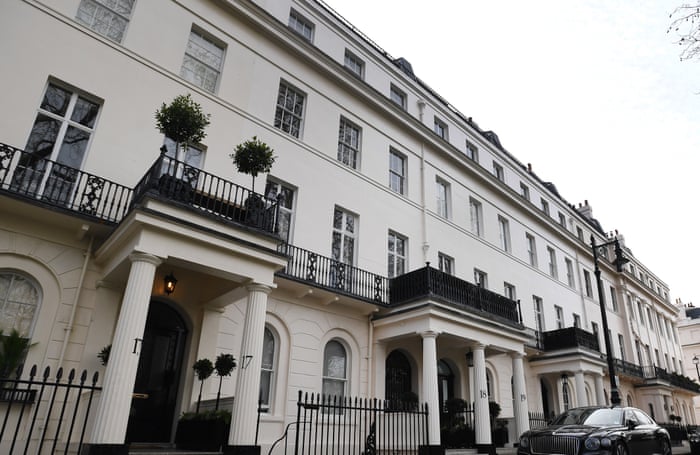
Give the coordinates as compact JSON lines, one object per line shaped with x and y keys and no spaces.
{"x":163,"y":449}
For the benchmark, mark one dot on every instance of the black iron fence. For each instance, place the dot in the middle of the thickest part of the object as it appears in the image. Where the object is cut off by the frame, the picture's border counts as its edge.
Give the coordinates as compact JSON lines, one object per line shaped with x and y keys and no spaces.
{"x":569,"y":337}
{"x":337,"y":276}
{"x":341,"y":425}
{"x":538,"y":420}
{"x":45,"y":414}
{"x":42,"y":180}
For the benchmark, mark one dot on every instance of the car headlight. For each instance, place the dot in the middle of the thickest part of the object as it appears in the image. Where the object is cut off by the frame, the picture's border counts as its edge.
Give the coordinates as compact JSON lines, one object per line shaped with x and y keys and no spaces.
{"x":524,"y":442}
{"x":694,"y":437}
{"x":605,"y":443}
{"x":592,"y":444}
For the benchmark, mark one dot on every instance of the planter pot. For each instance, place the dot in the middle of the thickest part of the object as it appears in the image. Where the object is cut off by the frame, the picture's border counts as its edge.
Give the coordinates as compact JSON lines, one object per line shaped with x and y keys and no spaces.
{"x":202,"y":435}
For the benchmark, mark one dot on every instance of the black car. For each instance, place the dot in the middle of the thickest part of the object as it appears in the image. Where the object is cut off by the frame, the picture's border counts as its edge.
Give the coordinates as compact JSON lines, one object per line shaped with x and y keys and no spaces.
{"x":598,"y":430}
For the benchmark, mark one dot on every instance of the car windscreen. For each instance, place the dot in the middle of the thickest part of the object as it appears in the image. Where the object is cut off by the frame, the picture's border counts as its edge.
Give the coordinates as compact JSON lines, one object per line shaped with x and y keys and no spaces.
{"x":595,"y":417}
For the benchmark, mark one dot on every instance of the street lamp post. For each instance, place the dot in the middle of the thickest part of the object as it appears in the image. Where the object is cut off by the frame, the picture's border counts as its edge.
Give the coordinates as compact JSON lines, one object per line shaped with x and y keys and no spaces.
{"x":696,"y":361}
{"x":619,"y":262}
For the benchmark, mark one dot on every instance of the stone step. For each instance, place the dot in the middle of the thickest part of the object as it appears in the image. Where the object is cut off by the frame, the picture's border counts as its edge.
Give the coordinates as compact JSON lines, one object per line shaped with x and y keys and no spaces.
{"x":163,"y":449}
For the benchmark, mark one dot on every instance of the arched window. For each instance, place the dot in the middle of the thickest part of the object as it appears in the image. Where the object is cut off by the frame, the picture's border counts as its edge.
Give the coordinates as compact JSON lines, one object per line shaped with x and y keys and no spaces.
{"x":19,"y":302}
{"x":445,"y":383}
{"x":335,"y":361}
{"x":630,"y":403}
{"x":398,"y":377}
{"x":565,"y":395}
{"x":489,"y":382}
{"x":267,"y":370}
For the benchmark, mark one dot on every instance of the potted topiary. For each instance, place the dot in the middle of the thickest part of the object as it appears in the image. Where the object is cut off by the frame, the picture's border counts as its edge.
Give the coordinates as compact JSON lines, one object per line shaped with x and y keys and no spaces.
{"x":183,"y":122}
{"x":13,"y":349}
{"x":224,"y":365}
{"x":253,"y":157}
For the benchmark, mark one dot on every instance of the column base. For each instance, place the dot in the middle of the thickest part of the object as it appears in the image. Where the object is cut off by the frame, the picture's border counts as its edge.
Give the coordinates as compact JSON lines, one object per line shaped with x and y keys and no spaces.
{"x":431,"y":450}
{"x":241,"y":450}
{"x":485,"y":448}
{"x":104,"y":449}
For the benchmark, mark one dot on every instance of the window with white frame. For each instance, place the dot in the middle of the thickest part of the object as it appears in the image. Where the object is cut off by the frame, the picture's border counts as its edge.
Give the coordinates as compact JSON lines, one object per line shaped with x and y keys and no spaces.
{"x":594,"y":329}
{"x":498,"y":172}
{"x":396,"y":252}
{"x":562,"y":220}
{"x":20,"y":298}
{"x":192,"y":155}
{"x":565,"y":395}
{"x":640,"y":312}
{"x":355,"y":64}
{"x":509,"y":290}
{"x":344,"y":232}
{"x":446,"y":263}
{"x":289,"y":111}
{"x":476,"y":216}
{"x":570,"y":273}
{"x":613,"y":299}
{"x":559,"y":314}
{"x":284,"y":194}
{"x":621,"y":342}
{"x":59,"y":140}
{"x":397,"y":96}
{"x":524,"y":191}
{"x":107,"y":17}
{"x":577,"y":321}
{"x":552,"y":255}
{"x":504,"y":233}
{"x":335,"y":370}
{"x":579,"y":233}
{"x":651,"y":321}
{"x":397,"y":171}
{"x":349,"y":136}
{"x":531,"y":249}
{"x":539,"y":316}
{"x":440,"y":128}
{"x":301,"y":25}
{"x":472,"y":152}
{"x":660,"y":324}
{"x":203,"y":61}
{"x":442,"y":189}
{"x":481,"y":279}
{"x":545,"y":206}
{"x":587,"y":283}
{"x":267,"y":369}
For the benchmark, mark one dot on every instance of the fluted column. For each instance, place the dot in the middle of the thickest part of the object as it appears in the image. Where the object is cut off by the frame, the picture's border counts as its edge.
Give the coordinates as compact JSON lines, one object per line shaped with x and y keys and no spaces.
{"x":520,"y":407}
{"x":599,"y":390}
{"x":430,"y":386}
{"x":379,"y":356}
{"x":112,"y":414}
{"x":580,"y":385}
{"x":245,"y":402}
{"x":482,"y":420}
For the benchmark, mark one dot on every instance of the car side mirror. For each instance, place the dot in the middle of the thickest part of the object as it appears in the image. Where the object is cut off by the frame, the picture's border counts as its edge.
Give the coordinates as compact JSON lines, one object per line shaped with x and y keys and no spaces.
{"x":631,"y":424}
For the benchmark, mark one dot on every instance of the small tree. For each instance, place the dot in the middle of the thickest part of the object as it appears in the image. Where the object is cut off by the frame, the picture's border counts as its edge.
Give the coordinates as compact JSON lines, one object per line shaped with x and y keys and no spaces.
{"x":203,"y":368}
{"x":13,"y":348}
{"x":224,"y":365}
{"x":182,"y":121}
{"x":685,"y":22}
{"x":253,"y":157}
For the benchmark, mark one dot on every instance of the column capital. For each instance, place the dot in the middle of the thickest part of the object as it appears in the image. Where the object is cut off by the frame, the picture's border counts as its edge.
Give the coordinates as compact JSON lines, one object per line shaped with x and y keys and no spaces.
{"x":258,"y":287}
{"x":478,"y":346}
{"x":517,"y":355}
{"x":429,"y":333}
{"x":145,"y":257}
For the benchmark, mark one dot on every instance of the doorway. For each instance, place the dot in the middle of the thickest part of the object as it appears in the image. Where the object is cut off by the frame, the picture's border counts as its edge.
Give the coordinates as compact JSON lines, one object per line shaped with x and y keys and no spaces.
{"x":158,"y":377}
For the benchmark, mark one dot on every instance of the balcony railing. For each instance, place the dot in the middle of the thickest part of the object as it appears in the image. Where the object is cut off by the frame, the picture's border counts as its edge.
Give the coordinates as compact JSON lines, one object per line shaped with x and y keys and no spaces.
{"x":658,"y":373}
{"x":430,"y":282}
{"x":628,"y":368}
{"x":324,"y":272}
{"x":569,"y":337}
{"x":48,"y":182}
{"x":179,"y":182}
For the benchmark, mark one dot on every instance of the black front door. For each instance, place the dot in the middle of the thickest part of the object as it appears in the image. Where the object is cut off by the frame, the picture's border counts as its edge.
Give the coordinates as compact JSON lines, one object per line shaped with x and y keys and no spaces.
{"x":158,"y":376}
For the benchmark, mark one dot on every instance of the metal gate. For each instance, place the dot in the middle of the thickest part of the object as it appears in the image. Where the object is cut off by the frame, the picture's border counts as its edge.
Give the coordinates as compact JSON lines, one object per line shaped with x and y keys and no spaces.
{"x":339,"y":425}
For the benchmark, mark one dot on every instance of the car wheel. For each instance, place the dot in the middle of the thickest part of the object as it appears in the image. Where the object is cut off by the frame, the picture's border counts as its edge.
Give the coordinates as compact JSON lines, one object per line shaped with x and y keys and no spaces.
{"x":665,"y":447}
{"x":620,"y":449}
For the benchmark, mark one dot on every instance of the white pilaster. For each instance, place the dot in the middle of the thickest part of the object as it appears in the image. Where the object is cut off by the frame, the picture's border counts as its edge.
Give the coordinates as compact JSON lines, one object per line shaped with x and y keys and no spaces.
{"x":245,"y":402}
{"x":599,"y":390}
{"x":520,"y":408}
{"x":112,"y":414}
{"x":482,"y":419}
{"x":430,"y":386}
{"x":379,"y":356}
{"x":580,"y":385}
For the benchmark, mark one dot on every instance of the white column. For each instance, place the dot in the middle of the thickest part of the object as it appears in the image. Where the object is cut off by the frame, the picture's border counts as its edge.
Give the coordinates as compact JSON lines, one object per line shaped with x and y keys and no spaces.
{"x":430,"y":386}
{"x":520,"y":408}
{"x":245,"y":401}
{"x":482,"y":419}
{"x":580,"y":385}
{"x":113,"y":411}
{"x":599,"y":390}
{"x":379,"y":355}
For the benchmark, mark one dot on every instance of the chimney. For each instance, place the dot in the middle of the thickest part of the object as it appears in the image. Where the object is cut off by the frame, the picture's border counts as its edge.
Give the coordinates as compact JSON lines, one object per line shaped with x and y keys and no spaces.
{"x":585,"y":210}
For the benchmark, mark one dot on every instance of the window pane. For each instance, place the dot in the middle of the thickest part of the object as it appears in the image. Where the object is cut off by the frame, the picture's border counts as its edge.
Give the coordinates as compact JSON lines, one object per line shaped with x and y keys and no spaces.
{"x":334,"y":360}
{"x":55,"y":100}
{"x":85,"y":112}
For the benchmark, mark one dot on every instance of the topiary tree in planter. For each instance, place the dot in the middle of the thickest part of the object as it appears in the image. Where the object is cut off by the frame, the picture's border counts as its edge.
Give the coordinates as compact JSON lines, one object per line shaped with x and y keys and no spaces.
{"x":183,"y":121}
{"x":253,"y":157}
{"x":203,"y":368}
{"x":224,"y":365}
{"x":13,"y":348}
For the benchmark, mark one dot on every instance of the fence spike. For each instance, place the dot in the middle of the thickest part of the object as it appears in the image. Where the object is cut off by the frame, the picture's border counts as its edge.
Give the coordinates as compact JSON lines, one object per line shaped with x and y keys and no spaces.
{"x":95,"y":376}
{"x":32,"y":372}
{"x":59,"y":374}
{"x":83,"y":377}
{"x":47,"y":372}
{"x":71,"y":375}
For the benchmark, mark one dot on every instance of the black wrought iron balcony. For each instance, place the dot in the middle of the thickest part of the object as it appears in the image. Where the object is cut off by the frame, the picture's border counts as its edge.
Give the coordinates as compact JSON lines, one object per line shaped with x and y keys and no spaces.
{"x":428,"y":282}
{"x":628,"y":368}
{"x":569,"y":337}
{"x":32,"y":177}
{"x":321,"y":271}
{"x":654,"y":373}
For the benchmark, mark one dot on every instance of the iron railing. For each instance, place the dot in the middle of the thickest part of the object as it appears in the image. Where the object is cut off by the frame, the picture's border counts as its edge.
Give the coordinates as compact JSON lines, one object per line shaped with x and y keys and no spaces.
{"x":538,"y":420}
{"x":628,"y":368}
{"x":49,"y":182}
{"x":430,"y":282}
{"x":179,"y":182}
{"x":569,"y":337}
{"x":324,"y":272}
{"x":657,"y":373}
{"x":44,"y":414}
{"x":342,"y":425}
